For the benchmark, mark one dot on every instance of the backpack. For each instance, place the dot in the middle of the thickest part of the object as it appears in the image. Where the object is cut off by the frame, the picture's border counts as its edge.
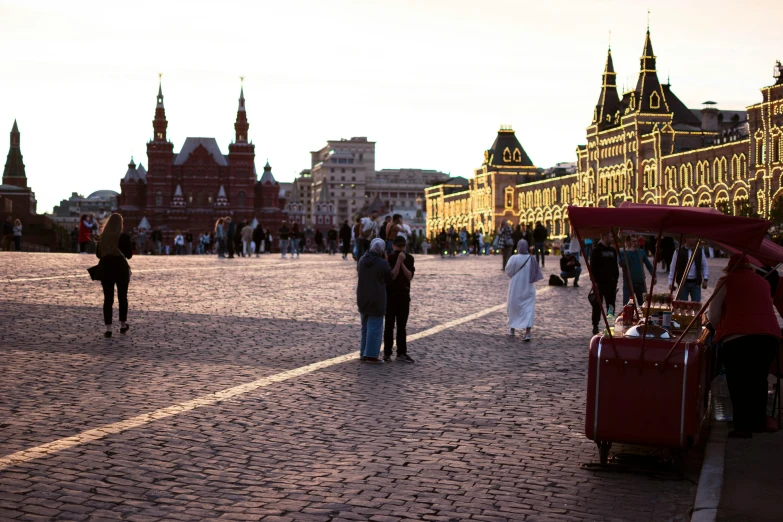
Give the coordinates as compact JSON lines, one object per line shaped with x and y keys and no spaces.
{"x":554,"y":280}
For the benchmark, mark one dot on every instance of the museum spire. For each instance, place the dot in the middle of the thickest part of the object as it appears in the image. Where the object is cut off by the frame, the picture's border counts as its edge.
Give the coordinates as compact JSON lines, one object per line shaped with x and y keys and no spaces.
{"x":241,"y":126}
{"x":159,"y":124}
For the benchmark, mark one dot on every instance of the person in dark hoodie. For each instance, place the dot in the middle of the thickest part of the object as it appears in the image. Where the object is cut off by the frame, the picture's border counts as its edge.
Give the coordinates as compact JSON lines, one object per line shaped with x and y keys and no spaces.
{"x":606,"y":272}
{"x":374,"y":275}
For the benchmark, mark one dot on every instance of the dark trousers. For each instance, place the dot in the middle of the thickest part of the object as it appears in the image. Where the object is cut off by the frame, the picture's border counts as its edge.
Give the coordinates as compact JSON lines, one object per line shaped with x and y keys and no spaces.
{"x":398,"y":308}
{"x":231,"y":246}
{"x":540,"y":251}
{"x":108,"y":298}
{"x":747,"y":361}
{"x":608,"y":296}
{"x":83,"y":246}
{"x":507,"y":251}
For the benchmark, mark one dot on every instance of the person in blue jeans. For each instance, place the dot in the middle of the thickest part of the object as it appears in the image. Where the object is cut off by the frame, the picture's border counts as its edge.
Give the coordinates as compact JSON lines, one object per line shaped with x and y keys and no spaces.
{"x":634,"y":260}
{"x":374,"y":275}
{"x":698,"y":275}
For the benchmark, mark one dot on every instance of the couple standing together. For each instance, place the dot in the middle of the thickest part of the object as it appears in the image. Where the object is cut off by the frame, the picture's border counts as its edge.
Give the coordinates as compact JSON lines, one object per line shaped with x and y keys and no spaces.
{"x":384,"y":290}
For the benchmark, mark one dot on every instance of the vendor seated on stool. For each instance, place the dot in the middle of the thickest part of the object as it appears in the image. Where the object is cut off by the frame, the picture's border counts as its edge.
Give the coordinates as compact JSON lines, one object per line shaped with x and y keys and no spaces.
{"x":570,"y":268}
{"x":744,"y":320}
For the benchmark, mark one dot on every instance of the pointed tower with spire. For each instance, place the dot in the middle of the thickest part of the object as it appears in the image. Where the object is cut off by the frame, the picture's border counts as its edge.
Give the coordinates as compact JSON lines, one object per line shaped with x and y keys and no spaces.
{"x":648,"y":97}
{"x":14,"y":173}
{"x":607,"y":110}
{"x":241,"y":158}
{"x":160,"y":159}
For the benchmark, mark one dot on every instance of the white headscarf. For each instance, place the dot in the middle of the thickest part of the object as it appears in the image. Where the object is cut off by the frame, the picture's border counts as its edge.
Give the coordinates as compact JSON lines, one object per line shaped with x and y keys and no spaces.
{"x":378,"y":246}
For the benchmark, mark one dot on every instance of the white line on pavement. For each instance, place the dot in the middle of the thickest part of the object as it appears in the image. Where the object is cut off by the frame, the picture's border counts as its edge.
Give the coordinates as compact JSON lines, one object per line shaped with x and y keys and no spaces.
{"x":184,"y":268}
{"x":94,"y":434}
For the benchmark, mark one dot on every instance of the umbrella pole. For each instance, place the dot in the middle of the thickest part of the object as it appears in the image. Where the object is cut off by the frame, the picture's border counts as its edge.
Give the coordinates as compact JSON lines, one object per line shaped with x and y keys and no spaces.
{"x":720,"y":284}
{"x":687,"y":268}
{"x":671,"y":287}
{"x":595,"y":291}
{"x":626,"y":272}
{"x":649,"y":297}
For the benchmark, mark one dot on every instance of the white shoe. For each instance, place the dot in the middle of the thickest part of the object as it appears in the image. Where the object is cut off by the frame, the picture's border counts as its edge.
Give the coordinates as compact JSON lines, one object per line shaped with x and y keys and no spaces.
{"x":527,"y":338}
{"x":511,"y":332}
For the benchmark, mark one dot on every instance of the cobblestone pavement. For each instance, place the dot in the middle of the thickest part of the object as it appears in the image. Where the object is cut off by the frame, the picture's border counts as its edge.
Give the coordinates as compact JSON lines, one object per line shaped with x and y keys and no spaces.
{"x":482,"y":427}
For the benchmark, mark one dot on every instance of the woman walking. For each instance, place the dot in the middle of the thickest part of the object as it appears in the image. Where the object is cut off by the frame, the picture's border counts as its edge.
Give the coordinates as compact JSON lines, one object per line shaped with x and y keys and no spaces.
{"x":220,"y":237}
{"x":523,"y":270}
{"x":18,"y":235}
{"x":114,"y":250}
{"x":374,"y":275}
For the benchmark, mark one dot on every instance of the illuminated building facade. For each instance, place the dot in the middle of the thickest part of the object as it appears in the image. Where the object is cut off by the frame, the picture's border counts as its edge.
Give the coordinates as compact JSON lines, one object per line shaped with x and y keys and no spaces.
{"x":645,"y":146}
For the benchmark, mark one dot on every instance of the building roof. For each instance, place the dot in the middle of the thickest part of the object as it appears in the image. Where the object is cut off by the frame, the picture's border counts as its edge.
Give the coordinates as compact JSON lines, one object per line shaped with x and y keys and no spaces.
{"x":267,"y":176}
{"x":649,"y":93}
{"x":14,"y":164}
{"x":680,"y":113}
{"x":504,"y":151}
{"x":144,"y":223}
{"x":191,"y":144}
{"x":103,"y":194}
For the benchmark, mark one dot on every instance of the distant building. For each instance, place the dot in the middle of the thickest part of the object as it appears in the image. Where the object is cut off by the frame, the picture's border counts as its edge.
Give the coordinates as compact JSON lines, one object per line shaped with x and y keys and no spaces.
{"x":647,"y":147}
{"x":192,"y":188}
{"x":345,"y":170}
{"x":101,"y":203}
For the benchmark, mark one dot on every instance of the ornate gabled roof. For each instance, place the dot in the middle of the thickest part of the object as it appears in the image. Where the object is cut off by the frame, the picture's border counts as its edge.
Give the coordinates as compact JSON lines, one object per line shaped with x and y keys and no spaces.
{"x":144,"y":223}
{"x":221,"y":200}
{"x":680,"y":113}
{"x":507,"y":151}
{"x":267,"y":176}
{"x":14,"y":164}
{"x":192,"y":144}
{"x":135,"y":173}
{"x":650,"y":97}
{"x":607,"y":110}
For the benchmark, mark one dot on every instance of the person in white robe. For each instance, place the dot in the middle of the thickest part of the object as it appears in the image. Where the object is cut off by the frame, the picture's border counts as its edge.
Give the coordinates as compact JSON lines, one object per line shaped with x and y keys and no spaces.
{"x":523,"y":270}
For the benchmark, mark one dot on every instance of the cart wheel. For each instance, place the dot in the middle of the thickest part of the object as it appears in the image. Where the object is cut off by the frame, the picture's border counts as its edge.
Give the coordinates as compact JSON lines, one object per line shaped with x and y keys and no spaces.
{"x":603,"y":451}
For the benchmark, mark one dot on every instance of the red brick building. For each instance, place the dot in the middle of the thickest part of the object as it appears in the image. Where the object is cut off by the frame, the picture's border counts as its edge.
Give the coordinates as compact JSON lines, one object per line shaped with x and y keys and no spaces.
{"x":191,"y":189}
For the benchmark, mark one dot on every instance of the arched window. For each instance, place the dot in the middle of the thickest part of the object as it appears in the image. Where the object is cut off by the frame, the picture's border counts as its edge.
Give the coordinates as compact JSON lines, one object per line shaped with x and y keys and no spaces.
{"x":655,"y":100}
{"x":507,"y":155}
{"x":760,"y":160}
{"x":517,"y":156}
{"x":210,"y":198}
{"x":190,"y":198}
{"x":159,"y":198}
{"x":241,"y":198}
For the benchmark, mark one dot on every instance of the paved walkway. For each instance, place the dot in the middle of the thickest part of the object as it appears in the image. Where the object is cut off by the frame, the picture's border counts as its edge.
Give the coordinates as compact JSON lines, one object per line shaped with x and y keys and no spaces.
{"x":211,"y":408}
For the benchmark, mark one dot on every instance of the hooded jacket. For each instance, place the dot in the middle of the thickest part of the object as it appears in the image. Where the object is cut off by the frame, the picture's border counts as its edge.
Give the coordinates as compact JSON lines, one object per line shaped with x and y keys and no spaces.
{"x":374,"y":275}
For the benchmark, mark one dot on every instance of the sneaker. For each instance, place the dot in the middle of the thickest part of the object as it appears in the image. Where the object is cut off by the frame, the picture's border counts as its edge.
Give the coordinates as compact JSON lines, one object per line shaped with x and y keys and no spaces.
{"x":576,"y":285}
{"x":387,"y":358}
{"x":373,"y":360}
{"x":511,"y":332}
{"x":595,"y":330}
{"x":124,"y":329}
{"x":527,"y":338}
{"x":107,"y":334}
{"x":405,"y":358}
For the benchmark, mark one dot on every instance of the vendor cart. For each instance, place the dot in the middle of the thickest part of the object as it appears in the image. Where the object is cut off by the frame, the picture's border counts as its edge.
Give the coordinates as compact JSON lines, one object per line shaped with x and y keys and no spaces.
{"x":648,"y":381}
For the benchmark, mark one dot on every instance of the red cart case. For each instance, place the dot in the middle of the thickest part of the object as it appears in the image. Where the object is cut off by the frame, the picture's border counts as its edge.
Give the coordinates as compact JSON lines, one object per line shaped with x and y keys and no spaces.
{"x":630,"y":400}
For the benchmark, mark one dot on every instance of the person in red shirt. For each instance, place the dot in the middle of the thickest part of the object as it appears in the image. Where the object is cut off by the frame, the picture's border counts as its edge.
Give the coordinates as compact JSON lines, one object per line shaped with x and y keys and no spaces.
{"x":744,"y":320}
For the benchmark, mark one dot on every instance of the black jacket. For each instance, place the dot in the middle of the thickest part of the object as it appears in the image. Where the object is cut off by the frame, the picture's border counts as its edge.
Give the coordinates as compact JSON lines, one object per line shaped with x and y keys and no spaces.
{"x":331,"y":235}
{"x":603,"y":262}
{"x":569,"y":263}
{"x":374,"y":275}
{"x":284,"y":232}
{"x":540,"y":233}
{"x":401,"y":286}
{"x":346,"y":233}
{"x":258,"y":234}
{"x":116,"y":268}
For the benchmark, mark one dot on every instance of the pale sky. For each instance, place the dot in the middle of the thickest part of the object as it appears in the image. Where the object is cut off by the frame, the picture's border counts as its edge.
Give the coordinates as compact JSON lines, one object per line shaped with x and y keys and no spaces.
{"x":430,"y":81}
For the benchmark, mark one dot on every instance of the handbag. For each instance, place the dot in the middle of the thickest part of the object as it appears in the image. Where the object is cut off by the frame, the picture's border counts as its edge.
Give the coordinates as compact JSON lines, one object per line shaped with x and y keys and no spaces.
{"x":96,"y":272}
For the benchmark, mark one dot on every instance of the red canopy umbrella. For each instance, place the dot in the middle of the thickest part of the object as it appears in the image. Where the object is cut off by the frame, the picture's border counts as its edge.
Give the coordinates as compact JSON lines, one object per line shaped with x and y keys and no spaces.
{"x":739,"y":233}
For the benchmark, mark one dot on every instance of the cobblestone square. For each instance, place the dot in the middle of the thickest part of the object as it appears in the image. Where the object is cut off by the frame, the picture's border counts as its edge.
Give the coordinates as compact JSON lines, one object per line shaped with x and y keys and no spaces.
{"x":209,"y":408}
